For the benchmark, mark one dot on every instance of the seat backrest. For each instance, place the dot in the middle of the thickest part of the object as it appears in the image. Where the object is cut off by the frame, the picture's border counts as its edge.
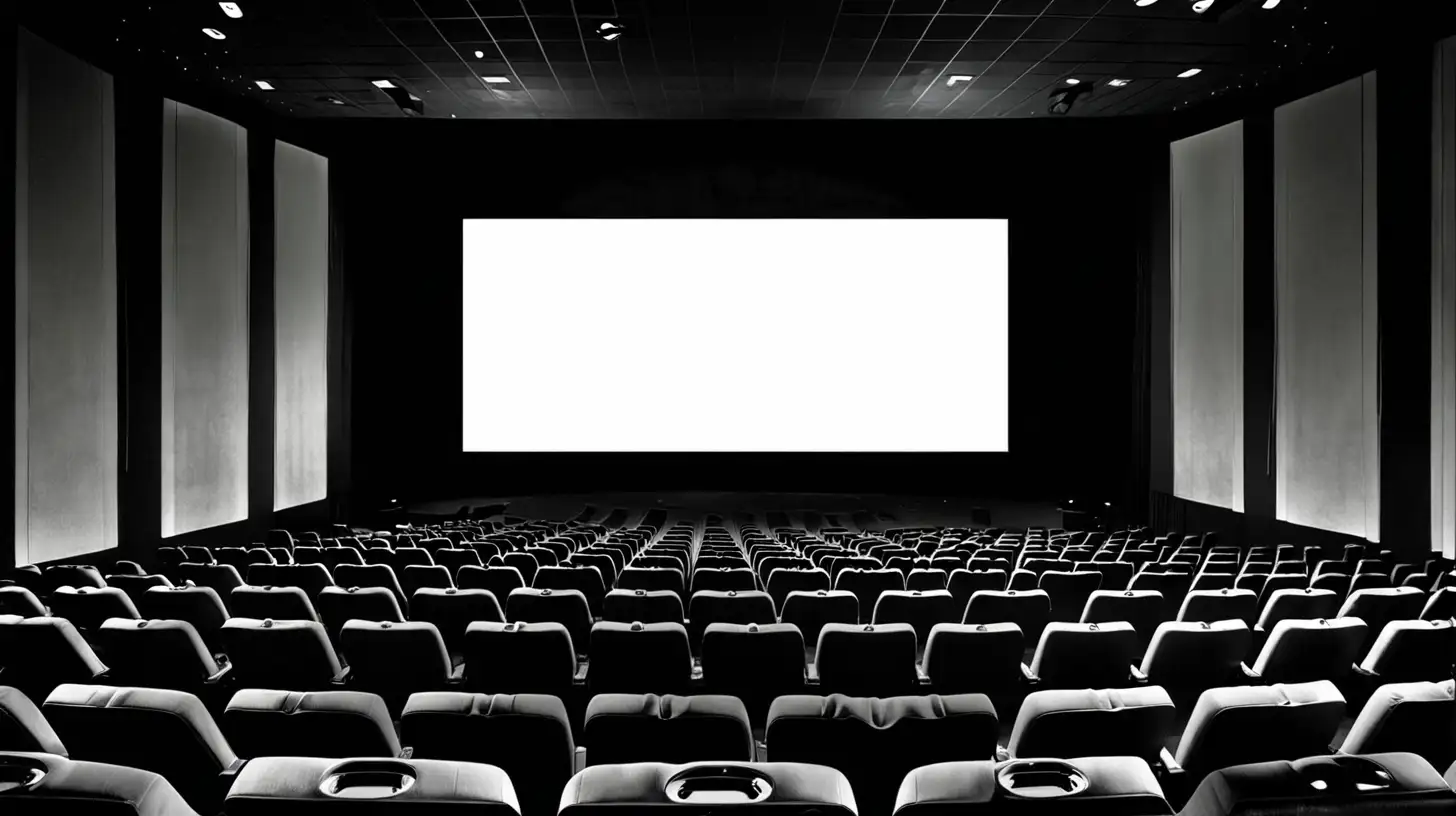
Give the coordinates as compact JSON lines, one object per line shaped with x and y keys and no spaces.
{"x":1220,"y":604}
{"x":1298,"y":604}
{"x":1028,"y":609}
{"x":754,"y":662}
{"x":1114,"y":785}
{"x":17,"y":600}
{"x":395,"y":658}
{"x":1441,"y":605}
{"x":1303,"y":650}
{"x":167,"y":654}
{"x":1069,"y":592}
{"x":876,"y":742}
{"x":922,"y":610}
{"x":1086,"y":655}
{"x":276,"y":602}
{"x":339,"y":605}
{"x":731,"y":606}
{"x":963,"y":583}
{"x":87,"y":788}
{"x":867,"y":586}
{"x":1241,"y":724}
{"x":1196,"y":656}
{"x":637,"y":788}
{"x":526,"y":735}
{"x":135,"y":586}
{"x":166,"y":732}
{"x":88,"y":607}
{"x":285,"y":786}
{"x":639,"y":658}
{"x":1417,"y":718}
{"x":308,"y":577}
{"x":1410,"y":650}
{"x":653,"y":578}
{"x":23,"y":727}
{"x":38,"y":654}
{"x":867,"y":661}
{"x":519,"y":658}
{"x":263,"y":722}
{"x":1327,"y":785}
{"x":1378,"y":607}
{"x":622,"y":728}
{"x":223,"y":578}
{"x":969,"y":657}
{"x":452,"y":610}
{"x":646,"y":606}
{"x":584,"y":579}
{"x":810,"y":611}
{"x":281,"y":654}
{"x":1073,"y":723}
{"x":723,"y":579}
{"x":370,"y":575}
{"x":783,"y":580}
{"x":568,"y":607}
{"x":499,"y":581}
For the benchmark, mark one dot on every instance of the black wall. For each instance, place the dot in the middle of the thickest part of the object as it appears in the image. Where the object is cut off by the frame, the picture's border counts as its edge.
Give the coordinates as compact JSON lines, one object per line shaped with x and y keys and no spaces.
{"x":1073,"y":191}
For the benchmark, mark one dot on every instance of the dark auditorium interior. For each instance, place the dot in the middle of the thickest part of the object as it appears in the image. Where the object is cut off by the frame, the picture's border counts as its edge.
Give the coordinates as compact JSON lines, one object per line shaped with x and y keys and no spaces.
{"x":712,"y":407}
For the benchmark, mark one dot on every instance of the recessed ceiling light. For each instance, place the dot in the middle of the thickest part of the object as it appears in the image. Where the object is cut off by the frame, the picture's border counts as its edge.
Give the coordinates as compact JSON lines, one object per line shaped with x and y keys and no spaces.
{"x":955,"y":78}
{"x":1073,"y":81}
{"x":214,"y":33}
{"x":1118,"y":83}
{"x":337,"y":101}
{"x":383,"y":83}
{"x":265,"y":84}
{"x":1268,"y":4}
{"x":232,"y":10}
{"x":1201,"y":6}
{"x":480,"y":55}
{"x":495,"y":80}
{"x":609,"y":31}
{"x":1191,"y":72}
{"x":1146,"y":2}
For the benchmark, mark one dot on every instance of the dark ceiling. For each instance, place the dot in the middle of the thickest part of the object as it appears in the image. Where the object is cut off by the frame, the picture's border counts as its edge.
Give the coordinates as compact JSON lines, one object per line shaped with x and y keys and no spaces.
{"x":882,"y":59}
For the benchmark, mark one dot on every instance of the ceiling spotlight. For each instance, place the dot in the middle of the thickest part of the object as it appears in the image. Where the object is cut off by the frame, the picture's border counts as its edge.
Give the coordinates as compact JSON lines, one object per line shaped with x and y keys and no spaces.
{"x":957,"y":78}
{"x":609,"y":31}
{"x":214,"y":33}
{"x":1268,"y":4}
{"x":1191,"y":72}
{"x":1118,"y":83}
{"x":495,"y":80}
{"x":235,"y":11}
{"x":384,"y":84}
{"x":337,"y":101}
{"x":480,"y":55}
{"x":265,"y":85}
{"x":1146,"y":2}
{"x":1201,"y":6}
{"x":1073,"y":81}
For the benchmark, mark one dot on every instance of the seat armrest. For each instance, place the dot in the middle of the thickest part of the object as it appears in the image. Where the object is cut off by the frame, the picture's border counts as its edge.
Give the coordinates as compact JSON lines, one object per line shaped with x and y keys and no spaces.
{"x":1027,"y":675}
{"x":457,"y":676}
{"x":921,"y":676}
{"x":1170,"y":765}
{"x":1250,"y":674}
{"x":406,"y":752}
{"x":1137,"y":675}
{"x":578,"y":760}
{"x":342,"y":678}
{"x":580,"y":676}
{"x":1002,"y":754}
{"x":811,"y":675}
{"x":1364,"y":672}
{"x":220,"y":676}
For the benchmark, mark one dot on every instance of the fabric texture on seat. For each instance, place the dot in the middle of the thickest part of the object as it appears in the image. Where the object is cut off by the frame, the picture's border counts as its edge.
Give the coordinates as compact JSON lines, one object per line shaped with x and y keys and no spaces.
{"x":1347,"y":786}
{"x":519,"y":658}
{"x":1417,"y":718}
{"x":290,"y":786}
{"x":167,"y":654}
{"x":1243,"y":724}
{"x":453,"y":610}
{"x":567,"y":607}
{"x":867,"y":661}
{"x":796,"y":788}
{"x":622,"y":728}
{"x":962,"y":658}
{"x":282,"y":654}
{"x":265,"y":722}
{"x":810,"y":611}
{"x":755,"y":663}
{"x":639,"y":658}
{"x":1085,"y":722}
{"x":1086,"y":655}
{"x":71,"y":787}
{"x":23,"y":727}
{"x":1118,"y":786}
{"x":643,"y":606}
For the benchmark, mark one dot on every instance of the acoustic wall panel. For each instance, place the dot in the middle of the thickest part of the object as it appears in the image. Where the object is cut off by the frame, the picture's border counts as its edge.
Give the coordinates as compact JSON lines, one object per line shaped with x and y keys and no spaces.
{"x":1443,"y":302}
{"x":65,"y":307}
{"x":204,"y":320}
{"x":1208,"y":317}
{"x":301,"y":314}
{"x":1327,"y":433}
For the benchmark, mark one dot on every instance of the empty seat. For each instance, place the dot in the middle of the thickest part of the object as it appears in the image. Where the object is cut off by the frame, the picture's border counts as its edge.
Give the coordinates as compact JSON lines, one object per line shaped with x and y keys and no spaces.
{"x":1071,"y":723}
{"x":753,"y":662}
{"x":308,"y":577}
{"x":21,"y":602}
{"x":782,"y":581}
{"x":921,"y":610}
{"x":1327,"y":785}
{"x":1295,"y":604}
{"x":867,"y":661}
{"x":1085,"y":655}
{"x":1412,"y":650}
{"x":867,"y":586}
{"x":1378,"y":607}
{"x":23,"y":727}
{"x":338,"y":605}
{"x":1124,"y":786}
{"x":1221,"y":604}
{"x":1243,"y":724}
{"x":453,"y":610}
{"x":166,"y":654}
{"x":276,"y":602}
{"x":145,"y":729}
{"x":567,"y":607}
{"x":519,"y":658}
{"x":395,"y":659}
{"x":499,"y":581}
{"x":585,"y":580}
{"x":74,"y":576}
{"x":927,"y":580}
{"x":1440,"y":606}
{"x":526,"y":735}
{"x":653,"y":579}
{"x":639,"y":658}
{"x":262,"y":723}
{"x":1069,"y":592}
{"x":654,"y":606}
{"x":963,"y":583}
{"x":1188,"y":658}
{"x":709,"y":607}
{"x":1303,"y":650}
{"x":87,"y":607}
{"x":1028,"y":610}
{"x":810,"y":611}
{"x":415,"y":577}
{"x":281,"y":654}
{"x":1143,"y":609}
{"x":974,"y":657}
{"x":1417,"y":718}
{"x":222,"y":578}
{"x":65,"y":786}
{"x":369,"y":575}
{"x":38,"y":654}
{"x":291,"y":785}
{"x":876,"y":742}
{"x":623,"y":728}
{"x":725,"y":579}
{"x":135,"y":586}
{"x":639,"y":788}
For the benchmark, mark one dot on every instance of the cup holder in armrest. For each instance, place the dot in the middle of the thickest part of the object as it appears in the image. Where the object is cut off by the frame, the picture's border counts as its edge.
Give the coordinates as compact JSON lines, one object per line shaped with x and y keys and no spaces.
{"x":719,"y":785}
{"x":368,"y":779}
{"x":1345,"y":775}
{"x":1040,"y":779}
{"x":20,"y":773}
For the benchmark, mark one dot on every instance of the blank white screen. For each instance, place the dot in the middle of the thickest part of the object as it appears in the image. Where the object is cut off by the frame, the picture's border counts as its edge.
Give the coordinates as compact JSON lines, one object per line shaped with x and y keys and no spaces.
{"x":785,"y":335}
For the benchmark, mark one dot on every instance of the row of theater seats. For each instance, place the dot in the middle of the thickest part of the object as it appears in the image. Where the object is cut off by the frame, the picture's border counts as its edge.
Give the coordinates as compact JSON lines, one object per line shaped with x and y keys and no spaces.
{"x":875,"y":744}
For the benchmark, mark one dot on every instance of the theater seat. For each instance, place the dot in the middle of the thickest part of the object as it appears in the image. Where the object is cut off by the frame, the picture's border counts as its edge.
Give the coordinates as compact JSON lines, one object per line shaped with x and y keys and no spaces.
{"x":1069,"y":592}
{"x":622,"y":728}
{"x":136,"y":586}
{"x":1070,"y":723}
{"x":1086,"y":655}
{"x":1412,"y":650}
{"x":1029,"y":610}
{"x":645,"y":606}
{"x":519,"y":658}
{"x":87,"y":607}
{"x":1325,"y":785}
{"x":639,"y":658}
{"x":1220,"y":604}
{"x":68,"y":787}
{"x":1187,"y":659}
{"x":262,"y":723}
{"x":711,"y":606}
{"x":1417,"y":718}
{"x":782,"y":581}
{"x":567,"y":607}
{"x":867,"y":661}
{"x":339,"y":605}
{"x":21,"y":602}
{"x":921,"y":610}
{"x":281,"y":654}
{"x":1377,"y":607}
{"x":810,"y":611}
{"x":453,"y":610}
{"x":295,"y":786}
{"x":221,"y":578}
{"x":1299,"y":651}
{"x":1440,"y":606}
{"x":526,"y":735}
{"x":73,"y":575}
{"x":755,"y":663}
{"x":38,"y":654}
{"x":164,"y":654}
{"x":876,"y":742}
{"x":653,"y":579}
{"x":1111,"y":786}
{"x":1143,"y":609}
{"x":867,"y":586}
{"x":276,"y":602}
{"x":1294,"y":604}
{"x":395,"y":659}
{"x":585,"y":580}
{"x":23,"y":727}
{"x":199,"y":606}
{"x":499,"y":581}
{"x":166,"y":732}
{"x":1243,"y":724}
{"x":983,"y":657}
{"x":368,"y":575}
{"x":792,"y":788}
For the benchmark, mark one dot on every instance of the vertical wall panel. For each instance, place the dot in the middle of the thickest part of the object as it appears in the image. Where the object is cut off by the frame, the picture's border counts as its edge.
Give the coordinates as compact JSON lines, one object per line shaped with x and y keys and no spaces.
{"x":1208,"y":317}
{"x":301,"y":294}
{"x":1443,"y":302}
{"x":204,"y":320}
{"x":1328,"y":429}
{"x":65,"y":307}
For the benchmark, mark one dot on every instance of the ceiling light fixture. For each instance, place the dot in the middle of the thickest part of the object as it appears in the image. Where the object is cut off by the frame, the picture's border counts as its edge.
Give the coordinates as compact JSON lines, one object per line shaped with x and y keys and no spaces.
{"x":1191,"y":72}
{"x":956,"y":78}
{"x":1118,"y":83}
{"x":495,"y":80}
{"x":1202,"y":6}
{"x":265,"y":84}
{"x":384,"y":84}
{"x":1073,"y":81}
{"x":1146,"y":2}
{"x":1268,"y":4}
{"x":337,"y":101}
{"x":480,"y":55}
{"x":609,"y":31}
{"x":214,"y":33}
{"x":232,"y":10}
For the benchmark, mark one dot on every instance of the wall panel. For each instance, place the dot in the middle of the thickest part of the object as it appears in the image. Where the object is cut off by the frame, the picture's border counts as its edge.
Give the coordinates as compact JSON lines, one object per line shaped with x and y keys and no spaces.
{"x":1443,"y":302}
